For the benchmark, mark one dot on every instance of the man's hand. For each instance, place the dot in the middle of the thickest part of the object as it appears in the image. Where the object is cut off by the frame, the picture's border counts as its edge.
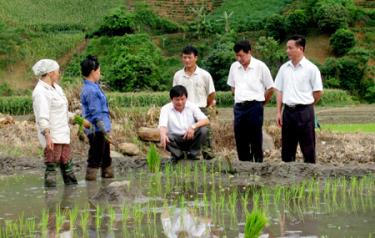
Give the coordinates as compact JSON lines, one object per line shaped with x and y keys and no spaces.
{"x":279,"y":119}
{"x":164,"y":140}
{"x":189,"y":134}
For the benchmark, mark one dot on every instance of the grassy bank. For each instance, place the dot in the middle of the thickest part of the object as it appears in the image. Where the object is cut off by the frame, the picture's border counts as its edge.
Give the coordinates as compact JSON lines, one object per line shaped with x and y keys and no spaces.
{"x":22,"y":104}
{"x":350,"y":128}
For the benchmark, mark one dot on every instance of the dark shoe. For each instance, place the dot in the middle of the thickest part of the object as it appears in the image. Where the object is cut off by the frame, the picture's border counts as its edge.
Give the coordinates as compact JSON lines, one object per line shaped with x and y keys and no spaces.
{"x":190,"y":156}
{"x":91,"y":174}
{"x":50,"y":175}
{"x":173,"y":160}
{"x":107,"y":172}
{"x":68,"y":174}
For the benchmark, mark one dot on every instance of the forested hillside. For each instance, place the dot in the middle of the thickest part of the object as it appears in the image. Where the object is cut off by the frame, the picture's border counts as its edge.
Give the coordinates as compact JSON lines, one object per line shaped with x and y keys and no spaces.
{"x":139,"y":42}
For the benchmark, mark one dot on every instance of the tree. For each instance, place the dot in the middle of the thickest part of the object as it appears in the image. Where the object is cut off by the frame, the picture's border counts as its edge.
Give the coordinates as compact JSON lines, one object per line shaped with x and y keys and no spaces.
{"x":330,"y":16}
{"x":269,"y":52}
{"x":342,"y":41}
{"x":297,"y":22}
{"x":275,"y":27}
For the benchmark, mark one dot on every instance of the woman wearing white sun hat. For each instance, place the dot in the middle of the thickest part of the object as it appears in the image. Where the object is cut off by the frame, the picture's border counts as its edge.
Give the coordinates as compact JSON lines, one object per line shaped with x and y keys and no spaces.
{"x":50,"y":107}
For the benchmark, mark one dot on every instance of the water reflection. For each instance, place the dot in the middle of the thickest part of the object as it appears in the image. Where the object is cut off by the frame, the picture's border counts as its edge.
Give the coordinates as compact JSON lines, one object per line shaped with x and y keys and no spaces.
{"x":181,"y":223}
{"x":57,"y":209}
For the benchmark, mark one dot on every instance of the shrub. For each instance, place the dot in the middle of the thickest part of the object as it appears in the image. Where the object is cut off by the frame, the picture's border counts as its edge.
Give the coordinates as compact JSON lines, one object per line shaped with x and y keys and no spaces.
{"x":219,"y":60}
{"x":9,"y":40}
{"x":269,"y":52}
{"x":117,"y":23}
{"x":19,"y":105}
{"x":335,"y":97}
{"x":133,"y":64}
{"x":351,"y":73}
{"x":152,"y":22}
{"x":342,"y":41}
{"x":275,"y":27}
{"x":330,"y":73}
{"x":297,"y":22}
{"x":330,"y":16}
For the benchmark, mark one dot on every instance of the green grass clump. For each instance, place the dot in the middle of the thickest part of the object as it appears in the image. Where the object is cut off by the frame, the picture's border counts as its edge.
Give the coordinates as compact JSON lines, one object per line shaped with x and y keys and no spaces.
{"x":17,"y":105}
{"x":153,"y":159}
{"x":255,"y":223}
{"x":350,"y":128}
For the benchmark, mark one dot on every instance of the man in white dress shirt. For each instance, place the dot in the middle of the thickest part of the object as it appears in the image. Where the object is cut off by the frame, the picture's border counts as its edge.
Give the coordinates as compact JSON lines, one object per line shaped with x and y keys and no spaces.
{"x":252,"y":85}
{"x":299,"y":87}
{"x":183,"y":126}
{"x":200,"y":87}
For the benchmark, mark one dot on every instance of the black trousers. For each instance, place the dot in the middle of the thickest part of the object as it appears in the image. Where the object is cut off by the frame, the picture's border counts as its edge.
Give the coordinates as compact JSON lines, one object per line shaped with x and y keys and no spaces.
{"x":99,"y":152}
{"x":298,"y":128}
{"x":177,"y":145}
{"x":248,"y":123}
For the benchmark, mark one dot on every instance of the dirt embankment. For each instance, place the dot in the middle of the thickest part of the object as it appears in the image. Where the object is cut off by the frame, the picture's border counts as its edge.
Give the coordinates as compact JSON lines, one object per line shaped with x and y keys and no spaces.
{"x":337,"y":154}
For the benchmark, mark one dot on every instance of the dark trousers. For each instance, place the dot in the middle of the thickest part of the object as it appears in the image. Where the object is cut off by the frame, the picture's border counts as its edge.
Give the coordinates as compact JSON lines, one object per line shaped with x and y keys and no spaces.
{"x":177,"y":145}
{"x":99,"y":152}
{"x":298,"y":127}
{"x":248,"y":122}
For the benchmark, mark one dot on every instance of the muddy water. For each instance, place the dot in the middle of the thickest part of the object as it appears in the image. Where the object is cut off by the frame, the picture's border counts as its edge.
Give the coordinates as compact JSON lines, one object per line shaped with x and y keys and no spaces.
{"x":323,"y":213}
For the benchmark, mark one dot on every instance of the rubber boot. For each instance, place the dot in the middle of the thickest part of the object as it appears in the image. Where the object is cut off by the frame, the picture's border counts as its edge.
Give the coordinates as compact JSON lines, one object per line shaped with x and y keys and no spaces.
{"x":107,"y":172}
{"x":50,"y":175}
{"x":91,"y":174}
{"x":68,"y":173}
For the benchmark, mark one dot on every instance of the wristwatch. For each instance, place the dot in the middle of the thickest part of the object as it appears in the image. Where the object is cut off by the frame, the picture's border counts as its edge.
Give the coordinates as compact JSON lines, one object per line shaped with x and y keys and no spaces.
{"x":194,"y":126}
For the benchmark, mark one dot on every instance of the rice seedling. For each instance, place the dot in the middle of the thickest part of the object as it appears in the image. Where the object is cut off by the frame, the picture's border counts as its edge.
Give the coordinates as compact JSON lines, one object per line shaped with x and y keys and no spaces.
{"x":84,"y":220}
{"x":153,"y":159}
{"x":353,"y":185}
{"x":59,"y":219}
{"x":98,"y":217}
{"x":256,"y":199}
{"x":31,"y":226}
{"x":73,"y":215}
{"x":112,"y":216}
{"x":255,"y":223}
{"x":245,"y":201}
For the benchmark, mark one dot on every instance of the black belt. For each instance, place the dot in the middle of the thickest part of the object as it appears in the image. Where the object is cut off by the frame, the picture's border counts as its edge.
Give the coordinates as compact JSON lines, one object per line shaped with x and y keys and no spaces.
{"x":247,"y":103}
{"x":297,"y":106}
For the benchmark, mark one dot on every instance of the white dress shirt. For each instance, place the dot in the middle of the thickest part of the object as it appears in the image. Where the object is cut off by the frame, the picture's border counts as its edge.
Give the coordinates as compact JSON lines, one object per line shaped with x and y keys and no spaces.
{"x":179,"y":122}
{"x":297,"y":83}
{"x":51,"y":112}
{"x":249,"y":84}
{"x":199,"y":85}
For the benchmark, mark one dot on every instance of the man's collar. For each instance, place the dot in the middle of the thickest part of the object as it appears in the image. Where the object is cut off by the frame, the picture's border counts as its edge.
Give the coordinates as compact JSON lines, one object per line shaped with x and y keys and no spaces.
{"x":302,"y":62}
{"x":195,"y":71}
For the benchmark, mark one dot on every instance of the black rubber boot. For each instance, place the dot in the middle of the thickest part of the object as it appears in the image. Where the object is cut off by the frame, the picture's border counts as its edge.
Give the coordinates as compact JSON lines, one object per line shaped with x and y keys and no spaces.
{"x":68,"y":173}
{"x":50,"y":175}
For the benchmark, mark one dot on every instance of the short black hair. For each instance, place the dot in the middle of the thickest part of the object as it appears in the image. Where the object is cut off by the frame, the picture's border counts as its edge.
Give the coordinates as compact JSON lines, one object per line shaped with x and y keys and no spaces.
{"x":299,"y":40}
{"x":243,"y":45}
{"x":88,"y":64}
{"x":187,"y":50}
{"x":178,"y":91}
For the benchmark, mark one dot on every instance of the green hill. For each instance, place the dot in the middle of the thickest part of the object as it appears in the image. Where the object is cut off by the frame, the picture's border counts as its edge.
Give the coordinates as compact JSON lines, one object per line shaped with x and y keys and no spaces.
{"x":139,"y":41}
